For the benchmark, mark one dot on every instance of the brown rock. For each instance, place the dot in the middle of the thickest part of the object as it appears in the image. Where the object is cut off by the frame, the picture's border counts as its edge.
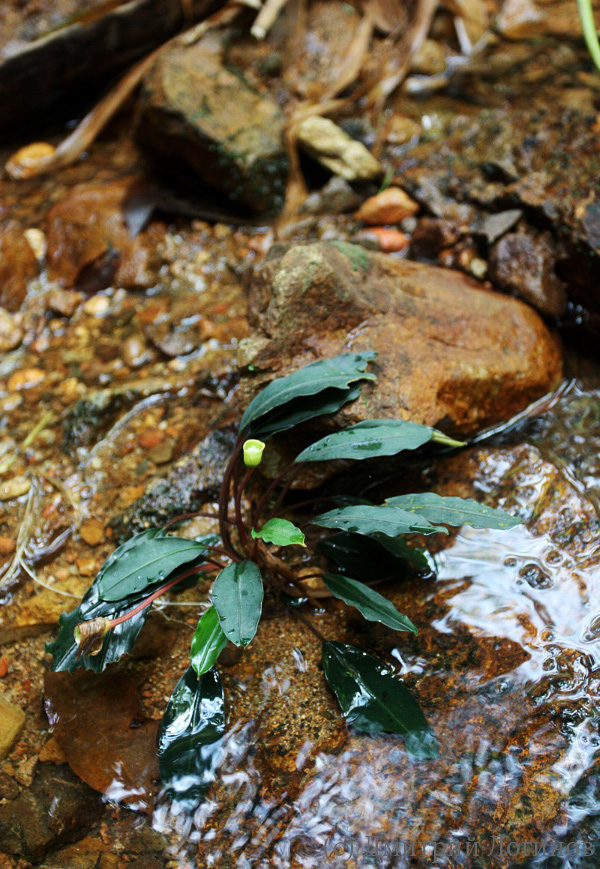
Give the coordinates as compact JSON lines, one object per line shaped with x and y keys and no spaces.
{"x":86,"y":230}
{"x":390,"y":206}
{"x":449,"y":351}
{"x":524,"y":264}
{"x":57,"y":809}
{"x":18,"y":265}
{"x":4,"y":666}
{"x":52,"y":752}
{"x":194,"y":112}
{"x":98,"y":722}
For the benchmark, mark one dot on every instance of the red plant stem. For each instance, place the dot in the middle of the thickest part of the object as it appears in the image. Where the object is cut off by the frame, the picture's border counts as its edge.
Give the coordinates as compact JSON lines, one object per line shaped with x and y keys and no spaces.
{"x":224,"y":498}
{"x":238,"y":508}
{"x":270,"y":488}
{"x":159,"y":591}
{"x":285,"y":489}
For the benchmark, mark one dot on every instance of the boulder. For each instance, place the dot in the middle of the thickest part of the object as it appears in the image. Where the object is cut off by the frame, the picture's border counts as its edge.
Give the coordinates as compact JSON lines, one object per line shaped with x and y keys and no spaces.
{"x":195,"y":113}
{"x":450,"y":352}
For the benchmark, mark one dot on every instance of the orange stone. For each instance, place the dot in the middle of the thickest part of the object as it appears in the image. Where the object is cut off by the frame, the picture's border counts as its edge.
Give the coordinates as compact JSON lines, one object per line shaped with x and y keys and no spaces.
{"x":390,"y":206}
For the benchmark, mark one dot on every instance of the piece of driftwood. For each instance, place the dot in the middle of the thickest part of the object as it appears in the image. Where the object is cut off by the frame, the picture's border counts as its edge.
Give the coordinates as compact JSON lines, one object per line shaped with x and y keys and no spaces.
{"x":81,"y":58}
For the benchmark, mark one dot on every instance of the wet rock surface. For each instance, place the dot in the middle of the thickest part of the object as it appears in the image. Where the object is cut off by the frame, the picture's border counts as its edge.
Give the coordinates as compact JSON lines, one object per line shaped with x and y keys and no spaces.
{"x":58,"y":808}
{"x":450,"y":353}
{"x":195,"y":111}
{"x":545,"y":164}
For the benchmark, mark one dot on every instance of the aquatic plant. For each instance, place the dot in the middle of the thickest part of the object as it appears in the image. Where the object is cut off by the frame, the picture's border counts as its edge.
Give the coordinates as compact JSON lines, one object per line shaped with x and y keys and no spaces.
{"x":256,"y":552}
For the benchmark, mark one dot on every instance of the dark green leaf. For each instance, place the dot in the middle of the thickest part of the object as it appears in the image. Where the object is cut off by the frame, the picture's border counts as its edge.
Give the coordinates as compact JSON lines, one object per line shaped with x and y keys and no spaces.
{"x":454,"y":511}
{"x":188,"y":747}
{"x":280,"y":532}
{"x":367,"y":440}
{"x":280,"y":395}
{"x":370,"y":519}
{"x":208,"y":642}
{"x":374,"y":699}
{"x":372,"y":605}
{"x":237,"y":595}
{"x":302,"y":409}
{"x":144,"y":560}
{"x":369,"y":558}
{"x":119,"y":641}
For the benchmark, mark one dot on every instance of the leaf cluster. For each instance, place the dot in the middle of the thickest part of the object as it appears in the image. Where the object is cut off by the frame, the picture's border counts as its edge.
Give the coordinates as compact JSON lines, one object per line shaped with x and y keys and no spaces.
{"x":365,"y":543}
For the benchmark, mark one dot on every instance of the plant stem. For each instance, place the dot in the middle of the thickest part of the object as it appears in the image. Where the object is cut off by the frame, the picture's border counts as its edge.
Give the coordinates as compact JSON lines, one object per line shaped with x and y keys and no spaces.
{"x":224,"y":498}
{"x":309,"y":625}
{"x":193,"y":515}
{"x":160,"y":591}
{"x":285,"y":489}
{"x":267,"y":493}
{"x":238,"y":508}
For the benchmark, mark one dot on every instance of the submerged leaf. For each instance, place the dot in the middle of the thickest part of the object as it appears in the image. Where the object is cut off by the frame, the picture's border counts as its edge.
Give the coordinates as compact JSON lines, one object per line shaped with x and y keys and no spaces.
{"x":370,"y":519}
{"x":193,"y":722}
{"x":279,"y":397}
{"x":208,"y":642}
{"x":144,"y":560}
{"x":367,"y":440}
{"x":369,"y":558}
{"x":372,"y":605}
{"x":280,"y":532}
{"x":374,"y":699}
{"x":237,"y":596}
{"x":454,"y":511}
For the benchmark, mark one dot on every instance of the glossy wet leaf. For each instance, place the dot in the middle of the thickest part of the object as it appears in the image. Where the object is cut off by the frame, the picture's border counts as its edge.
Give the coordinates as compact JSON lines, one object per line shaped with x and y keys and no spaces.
{"x":302,"y":409}
{"x":144,"y":560}
{"x":188,"y":740}
{"x":119,"y":640}
{"x":454,"y":511}
{"x":372,"y":605}
{"x":208,"y":642}
{"x":371,"y":519}
{"x":116,"y":643}
{"x":374,"y":699}
{"x":237,"y":596}
{"x":280,"y":395}
{"x":280,"y":532}
{"x":368,"y":558}
{"x":367,"y":440}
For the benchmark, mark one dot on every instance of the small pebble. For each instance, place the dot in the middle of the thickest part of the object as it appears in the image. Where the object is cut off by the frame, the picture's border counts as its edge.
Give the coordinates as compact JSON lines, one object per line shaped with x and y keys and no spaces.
{"x":86,"y":566}
{"x":37,"y":242}
{"x":162,"y":453}
{"x":390,"y":206}
{"x":4,"y":666}
{"x":478,"y":267}
{"x":151,"y":438}
{"x":26,"y":378}
{"x":14,"y":488}
{"x":27,"y":161}
{"x":134,"y":351}
{"x":7,"y":545}
{"x":92,"y":532}
{"x":10,"y":334}
{"x":64,"y":302}
{"x":97,"y":306}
